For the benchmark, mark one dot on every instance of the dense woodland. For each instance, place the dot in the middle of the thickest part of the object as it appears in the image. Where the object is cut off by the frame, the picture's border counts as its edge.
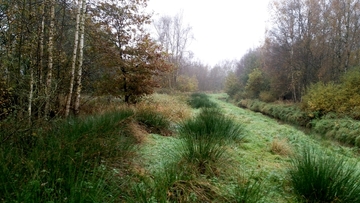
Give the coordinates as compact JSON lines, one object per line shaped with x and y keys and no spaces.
{"x":54,"y":51}
{"x":310,"y":55}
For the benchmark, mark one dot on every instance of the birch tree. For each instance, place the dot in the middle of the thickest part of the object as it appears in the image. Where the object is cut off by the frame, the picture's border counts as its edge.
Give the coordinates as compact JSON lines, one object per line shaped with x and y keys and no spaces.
{"x":74,"y":58}
{"x":50,"y":58}
{"x":81,"y":55}
{"x":175,"y":37}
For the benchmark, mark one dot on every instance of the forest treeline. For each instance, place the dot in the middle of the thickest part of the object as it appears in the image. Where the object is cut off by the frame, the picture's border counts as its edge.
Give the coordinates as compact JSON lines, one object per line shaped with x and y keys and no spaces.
{"x":52,"y":51}
{"x":309,"y":55}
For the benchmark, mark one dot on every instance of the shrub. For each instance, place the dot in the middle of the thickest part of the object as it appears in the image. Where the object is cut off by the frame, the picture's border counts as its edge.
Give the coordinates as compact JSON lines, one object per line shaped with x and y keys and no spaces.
{"x":255,"y":84}
{"x":323,"y":98}
{"x":232,"y":84}
{"x":205,"y":136}
{"x":317,"y":177}
{"x":267,"y":96}
{"x":200,"y":100}
{"x":187,"y":84}
{"x":343,"y":98}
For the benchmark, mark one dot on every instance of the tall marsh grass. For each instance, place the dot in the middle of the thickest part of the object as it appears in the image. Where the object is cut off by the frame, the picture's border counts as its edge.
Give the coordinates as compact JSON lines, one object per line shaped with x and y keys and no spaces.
{"x":174,"y":183}
{"x":69,"y":162}
{"x":205,"y":137}
{"x":317,"y":177}
{"x":248,"y":192}
{"x":200,"y":100}
{"x":154,"y":121}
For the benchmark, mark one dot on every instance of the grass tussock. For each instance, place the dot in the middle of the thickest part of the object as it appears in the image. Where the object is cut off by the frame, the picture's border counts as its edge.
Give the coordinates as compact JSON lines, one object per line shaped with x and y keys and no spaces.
{"x":174,"y":108}
{"x":174,"y":183}
{"x":317,"y":177}
{"x":281,"y":147}
{"x":200,"y":100}
{"x":248,"y":191}
{"x":205,"y":138}
{"x":153,"y":121}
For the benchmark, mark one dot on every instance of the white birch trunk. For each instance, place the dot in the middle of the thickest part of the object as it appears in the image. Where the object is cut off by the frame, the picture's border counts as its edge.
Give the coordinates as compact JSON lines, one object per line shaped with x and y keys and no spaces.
{"x":81,"y":54}
{"x":50,"y":59}
{"x":41,"y":54}
{"x":73,"y":61}
{"x":31,"y":93}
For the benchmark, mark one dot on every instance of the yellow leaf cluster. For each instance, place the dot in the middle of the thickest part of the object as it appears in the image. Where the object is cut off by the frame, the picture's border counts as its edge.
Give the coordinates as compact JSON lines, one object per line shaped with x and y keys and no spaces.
{"x":342,"y":98}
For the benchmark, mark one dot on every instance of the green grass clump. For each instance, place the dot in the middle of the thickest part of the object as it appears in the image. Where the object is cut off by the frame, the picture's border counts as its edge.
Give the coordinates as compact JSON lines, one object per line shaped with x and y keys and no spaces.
{"x":205,"y":137}
{"x":248,"y":192}
{"x":72,"y":161}
{"x":174,"y":183}
{"x":317,"y":177}
{"x":154,"y":121}
{"x":200,"y":100}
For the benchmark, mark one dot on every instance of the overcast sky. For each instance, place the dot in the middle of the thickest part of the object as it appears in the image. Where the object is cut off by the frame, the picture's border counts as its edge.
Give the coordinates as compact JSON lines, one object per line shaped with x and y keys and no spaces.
{"x":223,"y":29}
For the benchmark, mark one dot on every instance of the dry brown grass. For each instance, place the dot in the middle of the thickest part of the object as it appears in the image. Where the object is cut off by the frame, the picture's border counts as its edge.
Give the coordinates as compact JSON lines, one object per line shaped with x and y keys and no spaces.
{"x":137,"y":131}
{"x":174,"y":108}
{"x":281,"y":147}
{"x":100,"y":105}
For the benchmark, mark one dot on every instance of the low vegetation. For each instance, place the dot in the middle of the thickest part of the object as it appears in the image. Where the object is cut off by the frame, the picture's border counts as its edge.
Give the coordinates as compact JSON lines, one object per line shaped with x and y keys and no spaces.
{"x":200,"y":100}
{"x":285,"y":112}
{"x":220,"y":154}
{"x":320,"y":177}
{"x":340,"y":98}
{"x":72,"y":160}
{"x":342,"y":129}
{"x":85,"y":159}
{"x":206,"y":136}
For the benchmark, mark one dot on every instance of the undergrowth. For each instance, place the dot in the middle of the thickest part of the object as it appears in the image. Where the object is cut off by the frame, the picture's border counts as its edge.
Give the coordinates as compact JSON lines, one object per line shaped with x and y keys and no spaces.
{"x":200,"y":100}
{"x":343,"y":130}
{"x":69,"y":162}
{"x":318,"y":177}
{"x":205,"y":137}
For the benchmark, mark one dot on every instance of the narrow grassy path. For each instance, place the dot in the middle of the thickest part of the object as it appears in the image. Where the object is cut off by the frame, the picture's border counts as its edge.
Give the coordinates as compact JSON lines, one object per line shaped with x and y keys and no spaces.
{"x":256,"y":158}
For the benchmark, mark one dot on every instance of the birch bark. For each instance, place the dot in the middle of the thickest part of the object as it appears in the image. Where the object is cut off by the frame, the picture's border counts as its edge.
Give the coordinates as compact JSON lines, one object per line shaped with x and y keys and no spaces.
{"x":73,"y":61}
{"x":80,"y":62}
{"x":50,"y":58}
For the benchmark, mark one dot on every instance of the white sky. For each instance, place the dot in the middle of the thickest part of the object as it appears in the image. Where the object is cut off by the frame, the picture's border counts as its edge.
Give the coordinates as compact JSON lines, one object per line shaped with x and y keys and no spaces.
{"x":223,"y":29}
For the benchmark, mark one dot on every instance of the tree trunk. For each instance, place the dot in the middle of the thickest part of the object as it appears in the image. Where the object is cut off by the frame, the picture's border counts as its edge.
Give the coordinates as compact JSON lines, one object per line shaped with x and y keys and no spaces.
{"x":41,"y":55}
{"x":81,"y":55}
{"x":73,"y":61}
{"x":50,"y":58}
{"x":31,"y":92}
